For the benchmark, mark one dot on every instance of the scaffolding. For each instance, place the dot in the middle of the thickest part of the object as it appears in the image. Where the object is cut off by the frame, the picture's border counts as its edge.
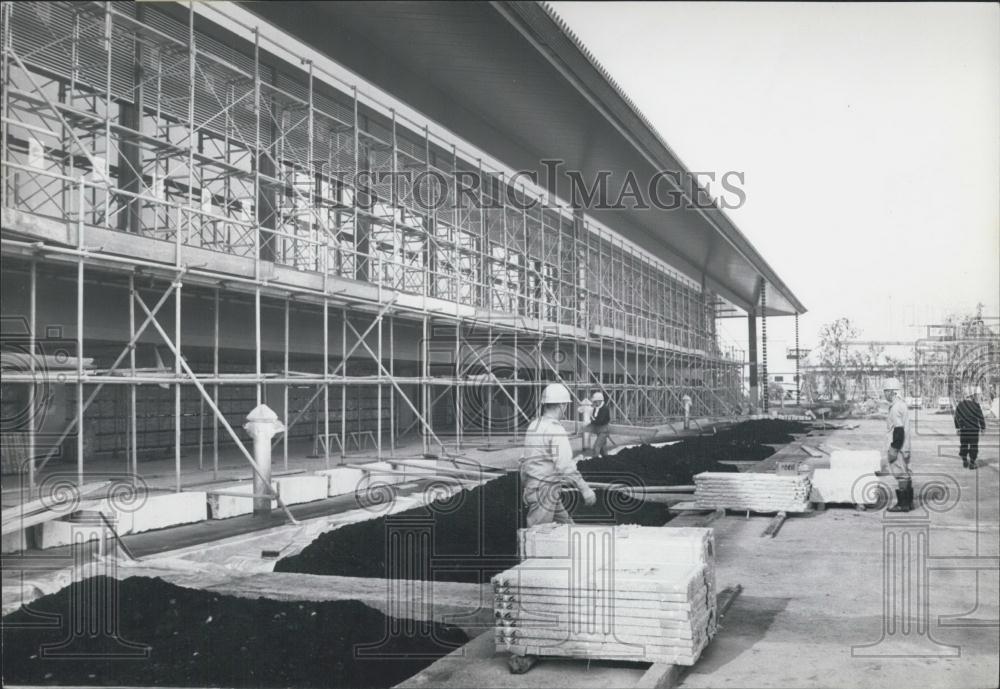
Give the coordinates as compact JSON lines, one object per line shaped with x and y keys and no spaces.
{"x":155,"y":164}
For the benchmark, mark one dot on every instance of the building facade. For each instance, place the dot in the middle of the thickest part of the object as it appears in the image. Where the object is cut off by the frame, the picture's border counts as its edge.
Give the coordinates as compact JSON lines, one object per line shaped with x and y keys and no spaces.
{"x":202,"y":213}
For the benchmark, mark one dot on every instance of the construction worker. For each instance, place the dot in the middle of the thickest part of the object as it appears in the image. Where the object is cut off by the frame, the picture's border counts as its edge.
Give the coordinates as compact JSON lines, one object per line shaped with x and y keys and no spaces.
{"x":897,"y":427}
{"x":686,"y":401}
{"x":600,"y":419}
{"x":969,"y":420}
{"x":547,"y":462}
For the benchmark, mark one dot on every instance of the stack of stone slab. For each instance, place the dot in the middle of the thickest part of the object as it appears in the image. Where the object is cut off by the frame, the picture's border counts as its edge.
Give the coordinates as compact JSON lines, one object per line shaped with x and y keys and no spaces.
{"x":609,"y":592}
{"x":757,"y":492}
{"x":851,"y":478}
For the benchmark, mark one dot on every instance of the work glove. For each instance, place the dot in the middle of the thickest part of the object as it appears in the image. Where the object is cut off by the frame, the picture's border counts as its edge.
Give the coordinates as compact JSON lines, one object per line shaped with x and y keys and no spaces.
{"x":589,"y":497}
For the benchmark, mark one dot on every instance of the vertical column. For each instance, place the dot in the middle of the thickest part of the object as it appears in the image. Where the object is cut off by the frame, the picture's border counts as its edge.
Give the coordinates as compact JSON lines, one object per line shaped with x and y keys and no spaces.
{"x":130,"y":156}
{"x":798,"y":381}
{"x":32,"y":313}
{"x":763,"y":343}
{"x":752,"y":355}
{"x":177,"y":388}
{"x":215,"y":387}
{"x":284,"y":438}
{"x":79,"y":342}
{"x":133,"y":424}
{"x":343,"y":384}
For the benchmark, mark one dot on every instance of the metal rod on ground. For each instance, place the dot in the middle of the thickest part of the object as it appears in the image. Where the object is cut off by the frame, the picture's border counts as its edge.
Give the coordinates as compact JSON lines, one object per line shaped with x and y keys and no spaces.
{"x":775,"y":525}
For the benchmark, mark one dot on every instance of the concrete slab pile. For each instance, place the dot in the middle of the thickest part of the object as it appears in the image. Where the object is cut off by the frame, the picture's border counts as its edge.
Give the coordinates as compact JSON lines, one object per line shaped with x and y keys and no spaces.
{"x":613,"y":593}
{"x":756,"y":492}
{"x":851,"y":478}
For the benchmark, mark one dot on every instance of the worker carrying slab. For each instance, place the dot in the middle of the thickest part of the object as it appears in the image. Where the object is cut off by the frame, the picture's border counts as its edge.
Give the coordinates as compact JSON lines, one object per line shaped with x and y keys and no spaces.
{"x":969,"y":420}
{"x":600,"y":419}
{"x":898,"y":430}
{"x":547,"y":462}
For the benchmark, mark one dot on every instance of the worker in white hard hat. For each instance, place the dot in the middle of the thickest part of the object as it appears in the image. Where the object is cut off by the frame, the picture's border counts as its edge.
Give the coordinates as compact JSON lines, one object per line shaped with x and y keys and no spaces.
{"x":600,"y":419}
{"x":897,"y":427}
{"x":686,"y":401}
{"x":969,"y":421}
{"x":547,"y":463}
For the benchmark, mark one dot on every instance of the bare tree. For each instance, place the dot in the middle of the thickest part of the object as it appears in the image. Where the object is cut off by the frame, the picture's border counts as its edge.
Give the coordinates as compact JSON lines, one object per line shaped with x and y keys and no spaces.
{"x":834,"y":358}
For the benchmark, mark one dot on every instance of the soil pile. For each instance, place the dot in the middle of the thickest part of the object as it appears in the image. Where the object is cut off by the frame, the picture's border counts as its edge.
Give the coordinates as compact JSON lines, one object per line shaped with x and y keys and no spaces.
{"x":673,"y":465}
{"x":467,"y":538}
{"x":197,"y":638}
{"x":771,"y":431}
{"x":677,"y":464}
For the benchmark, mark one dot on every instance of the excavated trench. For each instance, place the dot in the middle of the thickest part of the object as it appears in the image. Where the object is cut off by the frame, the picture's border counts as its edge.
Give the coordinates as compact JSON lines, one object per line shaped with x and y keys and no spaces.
{"x":467,"y":538}
{"x":200,"y":638}
{"x":473,"y":535}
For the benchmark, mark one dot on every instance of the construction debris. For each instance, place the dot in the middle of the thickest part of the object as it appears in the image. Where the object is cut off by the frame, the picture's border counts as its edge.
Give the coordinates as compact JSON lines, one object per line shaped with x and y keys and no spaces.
{"x":613,"y":593}
{"x":756,"y":492}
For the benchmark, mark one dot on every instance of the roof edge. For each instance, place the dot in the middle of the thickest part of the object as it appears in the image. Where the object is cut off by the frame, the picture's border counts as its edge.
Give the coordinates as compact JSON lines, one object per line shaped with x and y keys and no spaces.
{"x":542,"y":20}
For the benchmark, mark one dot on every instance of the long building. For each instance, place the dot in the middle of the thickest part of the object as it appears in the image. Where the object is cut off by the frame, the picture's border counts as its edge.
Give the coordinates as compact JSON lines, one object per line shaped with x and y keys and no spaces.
{"x":327,"y":208}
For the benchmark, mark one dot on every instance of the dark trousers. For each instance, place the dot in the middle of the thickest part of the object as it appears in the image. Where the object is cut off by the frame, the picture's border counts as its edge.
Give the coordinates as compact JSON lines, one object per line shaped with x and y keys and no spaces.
{"x":968,"y":444}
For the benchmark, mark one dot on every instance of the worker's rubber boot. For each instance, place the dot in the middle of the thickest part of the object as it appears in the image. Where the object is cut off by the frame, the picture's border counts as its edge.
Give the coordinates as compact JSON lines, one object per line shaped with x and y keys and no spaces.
{"x":965,"y":462}
{"x":904,"y":498}
{"x":972,"y":464}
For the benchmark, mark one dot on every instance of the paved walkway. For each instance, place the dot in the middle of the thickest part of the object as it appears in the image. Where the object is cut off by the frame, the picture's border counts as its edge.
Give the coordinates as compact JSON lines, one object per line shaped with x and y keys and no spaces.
{"x":816,"y":608}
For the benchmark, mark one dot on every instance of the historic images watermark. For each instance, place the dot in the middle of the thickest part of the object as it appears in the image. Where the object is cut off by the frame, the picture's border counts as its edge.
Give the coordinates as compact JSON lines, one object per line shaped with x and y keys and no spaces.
{"x":433,"y":190}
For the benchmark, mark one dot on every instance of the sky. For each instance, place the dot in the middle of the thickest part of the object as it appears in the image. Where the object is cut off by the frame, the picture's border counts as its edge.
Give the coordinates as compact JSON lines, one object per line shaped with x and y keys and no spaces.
{"x":869,"y":135}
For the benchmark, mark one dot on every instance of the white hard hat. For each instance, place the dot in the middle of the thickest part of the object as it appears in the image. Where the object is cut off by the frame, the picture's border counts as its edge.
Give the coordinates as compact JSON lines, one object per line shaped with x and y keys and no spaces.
{"x":597,"y":397}
{"x":555,"y":393}
{"x":891,"y":384}
{"x":972,"y":390}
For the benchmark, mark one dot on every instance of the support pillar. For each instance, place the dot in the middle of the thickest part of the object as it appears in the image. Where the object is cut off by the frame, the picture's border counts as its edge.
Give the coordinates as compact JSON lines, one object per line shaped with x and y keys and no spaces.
{"x":752,"y":356}
{"x":763,"y":349}
{"x":262,"y":425}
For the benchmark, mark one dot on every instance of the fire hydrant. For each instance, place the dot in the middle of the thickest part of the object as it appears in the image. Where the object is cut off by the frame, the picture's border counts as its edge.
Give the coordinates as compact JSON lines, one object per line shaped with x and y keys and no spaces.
{"x":262,"y":425}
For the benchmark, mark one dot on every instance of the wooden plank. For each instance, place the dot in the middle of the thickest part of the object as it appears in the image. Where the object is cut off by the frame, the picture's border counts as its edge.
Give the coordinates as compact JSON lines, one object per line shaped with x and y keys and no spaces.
{"x":812,"y":451}
{"x":668,"y":675}
{"x":717,"y":514}
{"x":660,"y":676}
{"x":775,"y":525}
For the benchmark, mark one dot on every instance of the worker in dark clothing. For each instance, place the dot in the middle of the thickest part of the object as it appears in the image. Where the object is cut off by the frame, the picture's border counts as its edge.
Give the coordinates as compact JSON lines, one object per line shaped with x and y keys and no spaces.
{"x":600,"y":418}
{"x":969,"y":421}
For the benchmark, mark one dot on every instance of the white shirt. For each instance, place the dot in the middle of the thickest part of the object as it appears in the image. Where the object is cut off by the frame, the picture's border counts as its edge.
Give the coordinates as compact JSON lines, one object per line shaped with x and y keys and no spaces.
{"x":899,"y":417}
{"x":548,"y":455}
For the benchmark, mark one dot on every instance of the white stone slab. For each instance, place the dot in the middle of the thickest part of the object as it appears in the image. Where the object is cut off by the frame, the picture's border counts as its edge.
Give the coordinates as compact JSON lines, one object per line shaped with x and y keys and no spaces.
{"x":382,"y":472}
{"x":295,"y":490}
{"x":226,"y":506}
{"x":416,"y":469}
{"x":60,"y":532}
{"x":14,"y":542}
{"x":856,"y":461}
{"x":342,"y":480}
{"x":170,"y":509}
{"x":631,"y":544}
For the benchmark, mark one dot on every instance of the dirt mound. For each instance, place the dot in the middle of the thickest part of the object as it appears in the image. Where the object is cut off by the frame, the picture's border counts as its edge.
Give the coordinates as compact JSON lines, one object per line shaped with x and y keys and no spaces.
{"x":673,"y":465}
{"x":770,"y":431}
{"x":468,"y":538}
{"x":197,"y":638}
{"x":678,"y":463}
